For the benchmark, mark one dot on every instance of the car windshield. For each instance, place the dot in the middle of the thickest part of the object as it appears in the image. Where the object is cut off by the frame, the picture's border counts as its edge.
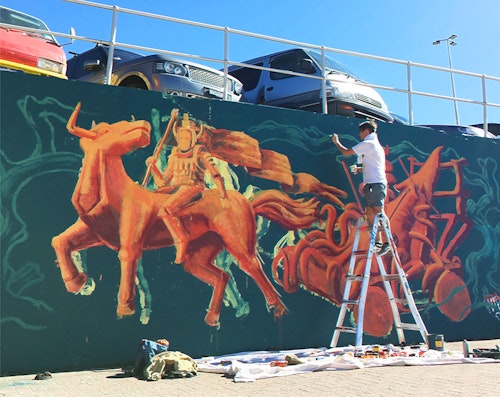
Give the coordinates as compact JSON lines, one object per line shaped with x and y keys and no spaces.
{"x":331,"y":64}
{"x":24,"y":20}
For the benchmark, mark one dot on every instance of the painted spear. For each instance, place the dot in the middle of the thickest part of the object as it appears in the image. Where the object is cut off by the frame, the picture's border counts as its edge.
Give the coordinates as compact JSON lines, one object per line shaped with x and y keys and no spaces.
{"x":160,"y":144}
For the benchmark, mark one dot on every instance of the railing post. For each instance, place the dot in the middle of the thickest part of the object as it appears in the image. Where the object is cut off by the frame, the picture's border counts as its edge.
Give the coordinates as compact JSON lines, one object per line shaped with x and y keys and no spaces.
{"x":410,"y":98}
{"x":485,"y":107}
{"x":323,"y":81}
{"x":226,"y":56}
{"x":111,"y":52}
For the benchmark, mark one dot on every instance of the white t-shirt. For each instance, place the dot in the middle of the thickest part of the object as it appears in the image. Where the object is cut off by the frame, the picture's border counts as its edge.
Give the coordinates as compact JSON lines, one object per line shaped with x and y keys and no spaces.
{"x":371,"y":154}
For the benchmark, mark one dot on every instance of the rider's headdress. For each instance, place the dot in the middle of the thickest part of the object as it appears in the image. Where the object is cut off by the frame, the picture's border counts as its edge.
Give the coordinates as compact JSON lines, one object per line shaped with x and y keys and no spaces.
{"x":187,"y":125}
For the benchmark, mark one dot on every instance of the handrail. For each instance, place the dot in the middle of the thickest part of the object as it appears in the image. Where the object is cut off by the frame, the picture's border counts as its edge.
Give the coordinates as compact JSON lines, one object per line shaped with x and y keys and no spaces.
{"x":226,"y":62}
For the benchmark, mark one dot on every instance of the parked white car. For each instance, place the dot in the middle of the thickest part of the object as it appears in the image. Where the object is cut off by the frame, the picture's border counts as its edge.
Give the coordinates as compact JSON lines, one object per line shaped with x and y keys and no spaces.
{"x":346,"y":94}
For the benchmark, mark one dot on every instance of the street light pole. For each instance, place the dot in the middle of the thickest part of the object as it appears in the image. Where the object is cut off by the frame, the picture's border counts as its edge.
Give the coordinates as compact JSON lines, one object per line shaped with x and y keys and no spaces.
{"x":449,"y":43}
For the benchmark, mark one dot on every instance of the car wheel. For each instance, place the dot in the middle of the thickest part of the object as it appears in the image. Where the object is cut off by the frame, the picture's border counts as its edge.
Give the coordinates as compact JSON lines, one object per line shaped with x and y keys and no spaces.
{"x":134,"y":82}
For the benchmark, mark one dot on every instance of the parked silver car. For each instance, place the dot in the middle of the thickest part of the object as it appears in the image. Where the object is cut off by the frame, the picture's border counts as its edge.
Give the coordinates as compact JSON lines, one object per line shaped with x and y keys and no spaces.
{"x":346,"y":94}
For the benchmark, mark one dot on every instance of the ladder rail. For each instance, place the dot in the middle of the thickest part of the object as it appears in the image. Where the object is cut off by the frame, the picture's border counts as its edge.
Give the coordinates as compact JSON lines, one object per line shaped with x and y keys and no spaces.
{"x":392,"y":300}
{"x":347,"y":287}
{"x":404,"y":280}
{"x":364,"y":287}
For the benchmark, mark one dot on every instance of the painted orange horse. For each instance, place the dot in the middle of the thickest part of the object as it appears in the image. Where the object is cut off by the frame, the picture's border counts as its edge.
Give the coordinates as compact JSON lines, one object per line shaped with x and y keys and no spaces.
{"x":117,"y":212}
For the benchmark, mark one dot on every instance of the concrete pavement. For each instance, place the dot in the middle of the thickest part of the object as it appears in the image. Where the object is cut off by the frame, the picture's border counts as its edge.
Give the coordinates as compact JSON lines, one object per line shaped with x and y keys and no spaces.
{"x":481,"y":380}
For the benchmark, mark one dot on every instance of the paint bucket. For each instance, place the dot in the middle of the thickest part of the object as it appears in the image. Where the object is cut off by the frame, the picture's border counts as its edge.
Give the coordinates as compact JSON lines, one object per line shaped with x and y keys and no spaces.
{"x":435,"y":342}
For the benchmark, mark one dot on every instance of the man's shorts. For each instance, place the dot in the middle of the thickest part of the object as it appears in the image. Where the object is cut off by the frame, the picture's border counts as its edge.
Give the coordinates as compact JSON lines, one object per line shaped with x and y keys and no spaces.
{"x":374,"y":194}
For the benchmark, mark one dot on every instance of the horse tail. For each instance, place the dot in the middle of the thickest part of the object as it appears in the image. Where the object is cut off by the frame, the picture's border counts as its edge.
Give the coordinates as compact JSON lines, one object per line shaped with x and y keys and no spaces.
{"x":290,"y":214}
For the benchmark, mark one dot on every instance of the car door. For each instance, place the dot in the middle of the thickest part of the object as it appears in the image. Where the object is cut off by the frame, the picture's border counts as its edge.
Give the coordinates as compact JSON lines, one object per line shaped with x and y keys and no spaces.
{"x":89,"y":66}
{"x":287,"y":90}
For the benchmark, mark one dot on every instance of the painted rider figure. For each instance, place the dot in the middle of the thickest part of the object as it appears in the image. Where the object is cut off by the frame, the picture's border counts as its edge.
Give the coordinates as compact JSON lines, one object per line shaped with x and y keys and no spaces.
{"x":183,"y":179}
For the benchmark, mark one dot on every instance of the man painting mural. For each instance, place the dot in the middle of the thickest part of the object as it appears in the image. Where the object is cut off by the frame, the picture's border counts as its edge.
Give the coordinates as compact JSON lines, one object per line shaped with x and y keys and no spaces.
{"x":183,"y":178}
{"x":371,"y":156}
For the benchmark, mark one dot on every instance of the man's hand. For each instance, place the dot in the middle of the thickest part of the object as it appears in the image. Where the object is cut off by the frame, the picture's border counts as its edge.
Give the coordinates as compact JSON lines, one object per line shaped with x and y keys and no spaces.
{"x":345,"y":151}
{"x":360,"y":188}
{"x":355,"y":169}
{"x":150,"y":160}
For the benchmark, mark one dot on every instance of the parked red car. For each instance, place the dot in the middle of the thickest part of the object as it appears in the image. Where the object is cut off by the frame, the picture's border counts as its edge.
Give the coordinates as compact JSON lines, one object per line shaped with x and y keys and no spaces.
{"x":30,"y":52}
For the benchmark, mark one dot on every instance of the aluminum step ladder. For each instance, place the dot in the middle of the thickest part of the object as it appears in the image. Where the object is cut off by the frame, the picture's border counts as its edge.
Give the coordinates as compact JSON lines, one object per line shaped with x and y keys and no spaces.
{"x":380,"y":223}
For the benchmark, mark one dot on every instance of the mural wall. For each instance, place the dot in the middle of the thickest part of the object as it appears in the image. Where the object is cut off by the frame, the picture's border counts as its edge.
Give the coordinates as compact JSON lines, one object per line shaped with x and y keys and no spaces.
{"x":221,"y":227}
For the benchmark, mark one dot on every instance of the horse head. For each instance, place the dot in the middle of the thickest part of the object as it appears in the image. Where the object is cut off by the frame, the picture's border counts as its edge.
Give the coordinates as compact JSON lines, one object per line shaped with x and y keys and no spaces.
{"x":103,"y":146}
{"x":119,"y":138}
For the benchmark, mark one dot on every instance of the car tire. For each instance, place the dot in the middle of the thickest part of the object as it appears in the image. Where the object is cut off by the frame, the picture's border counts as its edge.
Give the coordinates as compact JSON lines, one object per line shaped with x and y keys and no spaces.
{"x":134,"y":82}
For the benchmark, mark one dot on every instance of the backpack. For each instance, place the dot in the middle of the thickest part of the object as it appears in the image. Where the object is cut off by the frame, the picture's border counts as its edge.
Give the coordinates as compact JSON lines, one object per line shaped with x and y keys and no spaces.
{"x":170,"y":365}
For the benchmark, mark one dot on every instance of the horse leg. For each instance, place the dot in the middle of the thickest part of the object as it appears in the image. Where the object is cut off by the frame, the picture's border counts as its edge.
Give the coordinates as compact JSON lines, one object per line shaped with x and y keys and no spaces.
{"x":129,"y":256}
{"x":76,"y":238}
{"x":232,"y":295}
{"x":240,"y":239}
{"x":251,"y":265}
{"x":201,"y":265}
{"x":130,"y":252}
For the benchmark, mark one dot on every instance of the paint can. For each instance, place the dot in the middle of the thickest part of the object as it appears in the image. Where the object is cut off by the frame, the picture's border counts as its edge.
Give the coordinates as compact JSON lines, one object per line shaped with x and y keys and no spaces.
{"x":435,"y":342}
{"x":466,"y":348}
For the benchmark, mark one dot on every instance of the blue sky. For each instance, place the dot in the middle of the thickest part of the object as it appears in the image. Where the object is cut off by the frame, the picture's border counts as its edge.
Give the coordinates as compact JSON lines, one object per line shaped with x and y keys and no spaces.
{"x":400,"y":29}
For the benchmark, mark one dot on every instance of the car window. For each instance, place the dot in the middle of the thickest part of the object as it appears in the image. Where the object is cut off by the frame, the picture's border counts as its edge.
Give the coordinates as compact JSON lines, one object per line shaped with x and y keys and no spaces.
{"x":121,"y":55}
{"x":77,"y":65}
{"x":331,"y":64}
{"x":24,"y":20}
{"x":248,"y":77}
{"x":290,"y":61}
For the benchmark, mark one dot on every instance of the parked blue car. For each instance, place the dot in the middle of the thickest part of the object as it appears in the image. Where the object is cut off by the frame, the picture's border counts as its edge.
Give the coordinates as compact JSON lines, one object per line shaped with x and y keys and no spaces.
{"x":172,"y":76}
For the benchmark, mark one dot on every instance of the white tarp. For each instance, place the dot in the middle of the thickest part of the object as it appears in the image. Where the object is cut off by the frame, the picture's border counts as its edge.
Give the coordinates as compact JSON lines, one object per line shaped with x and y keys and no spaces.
{"x":250,"y":366}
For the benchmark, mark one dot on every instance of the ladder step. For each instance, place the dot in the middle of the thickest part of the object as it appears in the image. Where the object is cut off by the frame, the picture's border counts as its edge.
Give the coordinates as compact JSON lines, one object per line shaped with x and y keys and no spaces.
{"x":351,"y":330}
{"x":355,"y":277}
{"x":391,"y":277}
{"x":360,"y":252}
{"x":402,"y":301}
{"x":410,"y":327}
{"x":350,"y":302}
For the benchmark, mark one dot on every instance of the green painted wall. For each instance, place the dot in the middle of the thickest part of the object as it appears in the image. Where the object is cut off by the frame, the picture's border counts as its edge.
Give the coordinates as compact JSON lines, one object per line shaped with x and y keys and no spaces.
{"x":43,"y":327}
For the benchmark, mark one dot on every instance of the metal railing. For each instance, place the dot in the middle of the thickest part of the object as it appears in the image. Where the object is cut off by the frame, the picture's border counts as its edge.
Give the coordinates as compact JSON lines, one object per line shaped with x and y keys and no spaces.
{"x":410,"y":66}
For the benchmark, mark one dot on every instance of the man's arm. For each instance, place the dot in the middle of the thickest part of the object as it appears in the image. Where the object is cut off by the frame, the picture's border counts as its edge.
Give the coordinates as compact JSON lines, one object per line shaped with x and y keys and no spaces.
{"x":155,"y":172}
{"x":345,"y":151}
